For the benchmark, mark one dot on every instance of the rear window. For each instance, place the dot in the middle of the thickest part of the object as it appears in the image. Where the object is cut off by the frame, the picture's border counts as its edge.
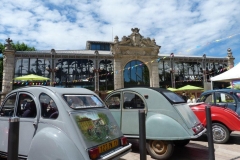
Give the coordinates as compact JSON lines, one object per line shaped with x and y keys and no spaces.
{"x":173,"y":97}
{"x":83,"y":101}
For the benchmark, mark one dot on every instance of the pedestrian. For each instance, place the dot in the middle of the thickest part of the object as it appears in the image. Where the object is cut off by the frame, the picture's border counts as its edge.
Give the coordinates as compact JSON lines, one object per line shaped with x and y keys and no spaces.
{"x":184,"y":96}
{"x":193,"y":99}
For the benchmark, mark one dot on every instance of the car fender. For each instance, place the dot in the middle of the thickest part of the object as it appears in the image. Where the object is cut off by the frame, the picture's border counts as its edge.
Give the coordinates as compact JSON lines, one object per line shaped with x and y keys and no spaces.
{"x":51,"y":143}
{"x":162,"y":127}
{"x":230,"y":121}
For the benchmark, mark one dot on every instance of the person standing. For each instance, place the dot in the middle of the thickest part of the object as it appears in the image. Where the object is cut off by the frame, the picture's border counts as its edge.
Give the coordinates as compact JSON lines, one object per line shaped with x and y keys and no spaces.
{"x":184,"y":96}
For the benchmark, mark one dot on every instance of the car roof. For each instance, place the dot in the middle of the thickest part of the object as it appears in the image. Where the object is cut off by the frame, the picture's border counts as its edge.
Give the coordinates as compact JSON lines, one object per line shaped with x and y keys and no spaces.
{"x":222,"y":90}
{"x":150,"y":88}
{"x":55,"y":90}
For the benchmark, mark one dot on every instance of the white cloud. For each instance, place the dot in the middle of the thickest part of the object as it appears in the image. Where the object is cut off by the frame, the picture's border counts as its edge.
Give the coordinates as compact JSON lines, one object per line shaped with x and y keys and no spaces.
{"x":177,"y":26}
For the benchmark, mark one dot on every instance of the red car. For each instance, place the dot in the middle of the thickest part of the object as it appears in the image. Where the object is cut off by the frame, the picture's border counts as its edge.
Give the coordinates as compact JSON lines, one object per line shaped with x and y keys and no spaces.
{"x":225,"y":111}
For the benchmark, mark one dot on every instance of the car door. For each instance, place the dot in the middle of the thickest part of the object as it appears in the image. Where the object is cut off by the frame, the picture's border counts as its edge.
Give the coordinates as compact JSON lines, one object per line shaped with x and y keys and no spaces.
{"x":225,"y":99}
{"x":113,"y":102}
{"x":132,"y":102}
{"x":28,"y":113}
{"x":6,"y":112}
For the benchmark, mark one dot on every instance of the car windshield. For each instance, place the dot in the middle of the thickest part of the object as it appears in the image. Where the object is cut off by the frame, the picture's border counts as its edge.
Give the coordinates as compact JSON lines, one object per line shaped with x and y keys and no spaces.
{"x":83,"y":101}
{"x":174,"y":97}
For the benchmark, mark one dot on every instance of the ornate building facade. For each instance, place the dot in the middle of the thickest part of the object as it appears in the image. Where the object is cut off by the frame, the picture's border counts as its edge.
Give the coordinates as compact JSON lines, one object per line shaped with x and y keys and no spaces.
{"x":131,"y":61}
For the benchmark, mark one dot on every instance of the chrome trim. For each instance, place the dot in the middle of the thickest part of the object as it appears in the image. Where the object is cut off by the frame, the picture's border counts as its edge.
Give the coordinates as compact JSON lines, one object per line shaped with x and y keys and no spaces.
{"x":117,"y":154}
{"x":131,"y":136}
{"x":199,"y":134}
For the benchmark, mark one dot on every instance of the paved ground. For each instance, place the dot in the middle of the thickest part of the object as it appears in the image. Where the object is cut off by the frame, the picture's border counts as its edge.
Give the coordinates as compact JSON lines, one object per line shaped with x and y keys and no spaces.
{"x":197,"y":150}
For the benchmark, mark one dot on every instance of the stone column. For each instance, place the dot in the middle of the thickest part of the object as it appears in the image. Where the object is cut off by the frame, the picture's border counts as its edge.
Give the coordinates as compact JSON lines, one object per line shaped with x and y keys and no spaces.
{"x":230,"y":61}
{"x":230,"y":58}
{"x":154,"y":82}
{"x":96,"y":72}
{"x":118,"y":73}
{"x":8,"y":68}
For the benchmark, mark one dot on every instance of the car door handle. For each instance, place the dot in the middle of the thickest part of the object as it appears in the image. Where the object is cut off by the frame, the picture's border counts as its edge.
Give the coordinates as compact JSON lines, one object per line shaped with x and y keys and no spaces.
{"x":34,"y":124}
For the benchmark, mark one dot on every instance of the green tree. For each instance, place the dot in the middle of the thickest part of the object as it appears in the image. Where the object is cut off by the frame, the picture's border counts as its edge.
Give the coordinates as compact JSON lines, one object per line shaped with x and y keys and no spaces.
{"x":18,"y":47}
{"x":22,"y":47}
{"x":1,"y":48}
{"x":237,"y":86}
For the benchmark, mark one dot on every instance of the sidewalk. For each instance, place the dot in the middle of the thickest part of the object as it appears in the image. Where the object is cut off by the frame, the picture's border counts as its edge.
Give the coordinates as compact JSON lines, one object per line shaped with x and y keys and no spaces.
{"x":197,"y":150}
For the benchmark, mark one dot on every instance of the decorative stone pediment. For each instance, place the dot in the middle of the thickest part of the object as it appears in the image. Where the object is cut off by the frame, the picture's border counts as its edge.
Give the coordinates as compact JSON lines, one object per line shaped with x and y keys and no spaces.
{"x":136,"y":39}
{"x":134,"y":44}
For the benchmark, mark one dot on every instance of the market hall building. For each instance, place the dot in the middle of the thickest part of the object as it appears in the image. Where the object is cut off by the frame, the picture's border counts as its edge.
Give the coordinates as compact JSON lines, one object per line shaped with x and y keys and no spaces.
{"x":127,"y":62}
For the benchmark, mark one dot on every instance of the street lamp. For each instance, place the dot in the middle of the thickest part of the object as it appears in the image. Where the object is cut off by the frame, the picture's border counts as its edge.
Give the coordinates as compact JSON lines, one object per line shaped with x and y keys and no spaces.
{"x":52,"y":70}
{"x":172,"y":70}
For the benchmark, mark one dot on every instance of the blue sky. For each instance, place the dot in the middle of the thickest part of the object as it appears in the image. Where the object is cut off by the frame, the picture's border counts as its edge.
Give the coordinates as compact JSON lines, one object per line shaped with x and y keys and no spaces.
{"x":186,"y":27}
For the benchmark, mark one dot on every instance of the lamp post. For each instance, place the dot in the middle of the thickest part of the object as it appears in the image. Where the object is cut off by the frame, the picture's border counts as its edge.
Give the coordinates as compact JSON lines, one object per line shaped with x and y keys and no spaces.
{"x":172,"y":70}
{"x":52,"y":70}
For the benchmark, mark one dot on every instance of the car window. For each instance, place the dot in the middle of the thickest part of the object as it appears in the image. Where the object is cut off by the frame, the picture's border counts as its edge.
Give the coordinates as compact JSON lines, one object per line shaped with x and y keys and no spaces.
{"x":133,"y":101}
{"x":207,"y":98}
{"x":26,"y":106}
{"x":113,"y":102}
{"x":175,"y":98}
{"x":49,"y":108}
{"x":224,"y":98}
{"x":83,"y":101}
{"x":8,"y":107}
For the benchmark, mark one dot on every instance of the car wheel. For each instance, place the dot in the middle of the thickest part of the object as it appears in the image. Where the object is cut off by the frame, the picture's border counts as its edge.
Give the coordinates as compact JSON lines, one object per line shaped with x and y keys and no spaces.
{"x":220,"y":133}
{"x":181,"y":143}
{"x":160,"y":149}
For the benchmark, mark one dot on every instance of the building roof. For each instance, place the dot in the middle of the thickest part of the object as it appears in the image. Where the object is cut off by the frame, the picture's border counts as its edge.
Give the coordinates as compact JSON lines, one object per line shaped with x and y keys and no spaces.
{"x":176,"y":56}
{"x":65,"y":52}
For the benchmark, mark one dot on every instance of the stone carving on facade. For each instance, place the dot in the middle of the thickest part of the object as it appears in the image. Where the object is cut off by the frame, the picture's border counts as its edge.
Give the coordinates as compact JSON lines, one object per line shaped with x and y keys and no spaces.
{"x":136,"y":44}
{"x":8,"y":46}
{"x":134,"y":52}
{"x":229,"y":54}
{"x":136,"y":39}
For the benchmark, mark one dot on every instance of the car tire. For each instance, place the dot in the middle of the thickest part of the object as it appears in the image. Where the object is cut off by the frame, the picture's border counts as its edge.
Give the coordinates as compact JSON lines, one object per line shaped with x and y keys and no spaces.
{"x":181,"y":143}
{"x":160,"y":149}
{"x":220,"y":133}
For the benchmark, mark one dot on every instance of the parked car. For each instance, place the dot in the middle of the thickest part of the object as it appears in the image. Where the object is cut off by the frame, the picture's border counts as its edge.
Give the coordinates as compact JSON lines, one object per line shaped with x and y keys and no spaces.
{"x":169,"y":120}
{"x":61,"y":123}
{"x":225,"y":111}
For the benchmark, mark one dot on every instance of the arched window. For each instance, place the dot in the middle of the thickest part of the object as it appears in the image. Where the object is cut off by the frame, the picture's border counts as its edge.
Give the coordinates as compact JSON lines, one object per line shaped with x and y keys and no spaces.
{"x":136,"y":73}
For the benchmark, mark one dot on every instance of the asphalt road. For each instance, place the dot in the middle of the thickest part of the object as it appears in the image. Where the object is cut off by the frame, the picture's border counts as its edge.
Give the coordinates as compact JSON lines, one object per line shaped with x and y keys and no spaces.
{"x":197,"y":150}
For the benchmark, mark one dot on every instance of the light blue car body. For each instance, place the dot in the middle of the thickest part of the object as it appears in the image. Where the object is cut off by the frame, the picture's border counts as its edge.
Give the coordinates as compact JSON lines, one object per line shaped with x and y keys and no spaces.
{"x":165,"y":120}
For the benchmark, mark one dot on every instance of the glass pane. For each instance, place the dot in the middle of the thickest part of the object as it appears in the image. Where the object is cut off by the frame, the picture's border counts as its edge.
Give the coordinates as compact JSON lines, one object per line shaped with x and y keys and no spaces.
{"x":113,"y":102}
{"x":174,"y":97}
{"x":48,"y":107}
{"x":33,"y":66}
{"x":8,"y":107}
{"x":83,"y":101}
{"x":25,"y":64}
{"x":26,"y":107}
{"x":132,"y":101}
{"x":136,"y":73}
{"x":18,"y":67}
